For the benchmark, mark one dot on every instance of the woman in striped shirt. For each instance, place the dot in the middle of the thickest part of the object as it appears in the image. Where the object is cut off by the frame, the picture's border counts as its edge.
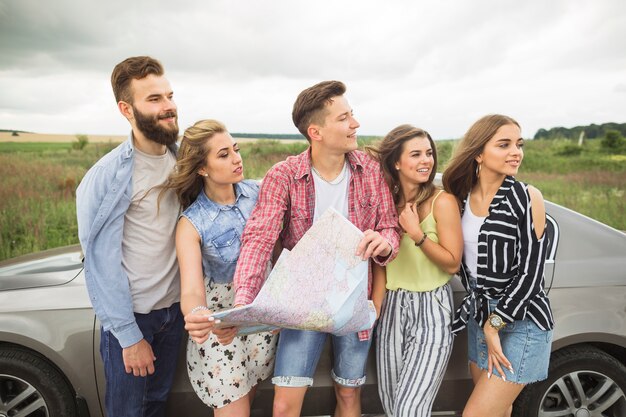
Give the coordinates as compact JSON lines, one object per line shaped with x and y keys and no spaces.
{"x":506,"y":310}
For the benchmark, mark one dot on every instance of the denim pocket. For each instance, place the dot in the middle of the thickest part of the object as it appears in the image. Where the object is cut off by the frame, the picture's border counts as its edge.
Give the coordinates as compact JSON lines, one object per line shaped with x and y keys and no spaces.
{"x":227,"y":245}
{"x":549,"y":334}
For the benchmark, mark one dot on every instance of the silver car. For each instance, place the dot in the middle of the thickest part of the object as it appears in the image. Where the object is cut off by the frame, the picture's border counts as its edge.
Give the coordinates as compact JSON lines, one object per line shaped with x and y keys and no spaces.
{"x":49,"y":338}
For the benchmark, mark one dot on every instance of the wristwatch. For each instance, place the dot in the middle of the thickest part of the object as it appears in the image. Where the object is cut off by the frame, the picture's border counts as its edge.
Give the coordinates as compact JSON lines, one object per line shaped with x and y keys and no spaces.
{"x":496,"y":321}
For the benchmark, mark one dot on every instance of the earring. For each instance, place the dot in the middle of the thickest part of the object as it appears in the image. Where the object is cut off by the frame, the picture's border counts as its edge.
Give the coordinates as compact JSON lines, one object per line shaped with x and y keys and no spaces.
{"x":396,"y":188}
{"x":478,"y":168}
{"x":204,"y":174}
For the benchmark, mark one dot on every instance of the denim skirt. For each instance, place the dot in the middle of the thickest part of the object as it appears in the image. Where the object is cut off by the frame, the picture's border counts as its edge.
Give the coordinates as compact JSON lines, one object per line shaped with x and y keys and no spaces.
{"x":524,"y":344}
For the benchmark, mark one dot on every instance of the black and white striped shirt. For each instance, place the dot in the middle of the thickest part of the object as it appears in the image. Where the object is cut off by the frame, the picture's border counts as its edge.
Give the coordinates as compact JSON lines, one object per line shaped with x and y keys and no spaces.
{"x":510,"y":263}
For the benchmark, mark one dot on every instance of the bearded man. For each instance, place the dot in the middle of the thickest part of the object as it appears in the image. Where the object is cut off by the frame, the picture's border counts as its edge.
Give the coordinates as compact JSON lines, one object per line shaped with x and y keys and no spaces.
{"x":127,"y":236}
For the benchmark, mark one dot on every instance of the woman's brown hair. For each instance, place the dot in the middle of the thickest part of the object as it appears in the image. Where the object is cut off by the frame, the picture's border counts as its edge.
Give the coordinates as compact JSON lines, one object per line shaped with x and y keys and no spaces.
{"x":388,"y":153}
{"x":461,"y":173}
{"x":192,"y":154}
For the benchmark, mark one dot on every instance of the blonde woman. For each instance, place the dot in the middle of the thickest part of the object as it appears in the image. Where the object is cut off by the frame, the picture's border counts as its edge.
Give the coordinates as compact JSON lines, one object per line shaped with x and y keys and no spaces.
{"x":217,"y":201}
{"x":506,"y":311}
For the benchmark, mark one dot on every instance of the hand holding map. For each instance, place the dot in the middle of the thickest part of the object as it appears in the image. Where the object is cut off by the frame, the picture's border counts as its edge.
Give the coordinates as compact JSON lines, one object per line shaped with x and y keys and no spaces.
{"x":319,"y":285}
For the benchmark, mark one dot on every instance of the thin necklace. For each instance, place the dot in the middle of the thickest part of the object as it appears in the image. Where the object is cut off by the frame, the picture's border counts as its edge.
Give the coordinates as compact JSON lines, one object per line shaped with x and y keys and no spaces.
{"x":337,"y":179}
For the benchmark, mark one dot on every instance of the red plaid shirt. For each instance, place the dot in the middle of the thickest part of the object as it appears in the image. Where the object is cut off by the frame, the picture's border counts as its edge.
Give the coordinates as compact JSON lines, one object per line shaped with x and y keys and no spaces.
{"x":285,"y":209}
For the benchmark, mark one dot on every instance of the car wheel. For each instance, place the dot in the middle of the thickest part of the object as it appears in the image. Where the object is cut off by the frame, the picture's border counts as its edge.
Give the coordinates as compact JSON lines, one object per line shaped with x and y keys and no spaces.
{"x":30,"y":386}
{"x":582,"y":381}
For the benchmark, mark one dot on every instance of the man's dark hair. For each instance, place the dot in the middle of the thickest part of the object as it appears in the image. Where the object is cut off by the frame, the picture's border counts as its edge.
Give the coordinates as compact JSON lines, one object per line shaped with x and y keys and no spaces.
{"x":310,"y":104}
{"x":133,"y":68}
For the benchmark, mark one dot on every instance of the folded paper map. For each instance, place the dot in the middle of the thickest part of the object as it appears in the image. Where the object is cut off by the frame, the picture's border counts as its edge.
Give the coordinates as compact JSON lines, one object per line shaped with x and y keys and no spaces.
{"x":319,"y":285}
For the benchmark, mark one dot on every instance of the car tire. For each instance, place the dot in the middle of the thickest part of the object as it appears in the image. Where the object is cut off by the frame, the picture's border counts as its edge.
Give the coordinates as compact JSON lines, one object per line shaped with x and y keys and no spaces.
{"x":40,"y":390}
{"x":582,"y":380}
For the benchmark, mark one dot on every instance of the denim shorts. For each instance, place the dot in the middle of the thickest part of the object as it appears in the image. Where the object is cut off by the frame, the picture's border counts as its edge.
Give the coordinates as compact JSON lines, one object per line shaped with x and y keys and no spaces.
{"x":524,"y":344}
{"x":299,"y":351}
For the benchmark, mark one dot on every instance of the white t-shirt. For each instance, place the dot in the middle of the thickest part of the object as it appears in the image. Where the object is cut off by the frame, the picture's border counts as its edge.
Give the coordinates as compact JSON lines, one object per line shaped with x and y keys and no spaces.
{"x":471,"y":229}
{"x":148,"y":243}
{"x":331,"y":193}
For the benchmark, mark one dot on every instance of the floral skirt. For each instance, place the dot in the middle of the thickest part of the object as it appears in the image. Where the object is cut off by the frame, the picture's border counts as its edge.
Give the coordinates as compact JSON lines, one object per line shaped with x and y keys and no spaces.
{"x":223,"y":374}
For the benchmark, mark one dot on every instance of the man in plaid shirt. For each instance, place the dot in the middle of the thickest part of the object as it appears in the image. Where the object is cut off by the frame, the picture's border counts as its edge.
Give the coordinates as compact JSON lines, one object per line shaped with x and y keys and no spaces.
{"x":295,"y":192}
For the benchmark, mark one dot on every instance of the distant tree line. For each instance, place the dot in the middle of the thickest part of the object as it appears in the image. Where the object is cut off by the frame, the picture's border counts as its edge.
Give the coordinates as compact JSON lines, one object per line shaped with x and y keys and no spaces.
{"x":281,"y":136}
{"x":277,"y":136}
{"x":593,"y":131}
{"x":13,"y":132}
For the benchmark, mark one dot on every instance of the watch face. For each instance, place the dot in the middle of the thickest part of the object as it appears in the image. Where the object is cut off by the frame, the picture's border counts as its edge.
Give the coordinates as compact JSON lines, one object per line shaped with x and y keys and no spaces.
{"x":495,"y":321}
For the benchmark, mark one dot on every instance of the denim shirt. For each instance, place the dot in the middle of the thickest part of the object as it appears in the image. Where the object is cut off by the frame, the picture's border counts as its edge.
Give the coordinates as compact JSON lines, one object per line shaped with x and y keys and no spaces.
{"x":220,"y":228}
{"x":102,"y":199}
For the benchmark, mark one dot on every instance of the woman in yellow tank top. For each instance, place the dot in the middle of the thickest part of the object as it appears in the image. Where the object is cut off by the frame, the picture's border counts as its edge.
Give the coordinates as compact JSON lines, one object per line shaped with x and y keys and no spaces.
{"x":414,"y":338}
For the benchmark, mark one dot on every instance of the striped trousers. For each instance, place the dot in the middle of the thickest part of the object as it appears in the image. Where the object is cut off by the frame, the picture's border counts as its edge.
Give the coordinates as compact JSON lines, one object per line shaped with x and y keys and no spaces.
{"x":413,"y":346}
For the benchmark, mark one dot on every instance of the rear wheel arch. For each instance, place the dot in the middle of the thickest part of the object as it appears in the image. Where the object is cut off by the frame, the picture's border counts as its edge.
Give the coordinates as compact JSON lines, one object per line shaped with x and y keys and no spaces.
{"x":617,"y":351}
{"x":581,"y":377}
{"x":45,"y":388}
{"x":611,"y":343}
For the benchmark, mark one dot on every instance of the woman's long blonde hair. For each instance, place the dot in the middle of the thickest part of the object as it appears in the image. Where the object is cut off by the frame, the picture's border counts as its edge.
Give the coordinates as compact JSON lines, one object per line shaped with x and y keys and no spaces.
{"x":388,"y":153}
{"x":192,"y":154}
{"x":461,"y":174}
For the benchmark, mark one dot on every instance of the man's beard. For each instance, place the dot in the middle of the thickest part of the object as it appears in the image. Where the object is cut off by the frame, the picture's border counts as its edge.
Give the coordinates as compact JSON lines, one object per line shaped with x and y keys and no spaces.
{"x":149,"y":126}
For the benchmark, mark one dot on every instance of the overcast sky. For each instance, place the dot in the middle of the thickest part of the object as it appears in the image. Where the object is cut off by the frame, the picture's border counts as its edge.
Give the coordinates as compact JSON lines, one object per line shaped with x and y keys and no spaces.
{"x":439,"y":65}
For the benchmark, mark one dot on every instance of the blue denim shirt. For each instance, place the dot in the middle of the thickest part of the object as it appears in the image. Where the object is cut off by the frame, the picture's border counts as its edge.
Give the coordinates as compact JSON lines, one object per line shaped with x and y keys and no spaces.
{"x":102,"y":199}
{"x":220,"y":228}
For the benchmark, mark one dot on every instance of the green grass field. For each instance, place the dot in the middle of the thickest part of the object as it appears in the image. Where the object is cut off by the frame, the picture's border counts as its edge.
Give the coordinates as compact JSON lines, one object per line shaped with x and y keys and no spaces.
{"x":37,"y":191}
{"x":592,"y":183}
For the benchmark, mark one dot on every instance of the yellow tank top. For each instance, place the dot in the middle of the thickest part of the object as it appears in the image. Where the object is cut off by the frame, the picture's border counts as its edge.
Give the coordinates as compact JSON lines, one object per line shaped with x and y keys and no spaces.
{"x":412,"y":270}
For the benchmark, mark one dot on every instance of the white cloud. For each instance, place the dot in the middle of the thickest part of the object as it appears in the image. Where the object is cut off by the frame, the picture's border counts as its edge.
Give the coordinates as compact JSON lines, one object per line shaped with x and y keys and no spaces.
{"x":439,"y":65}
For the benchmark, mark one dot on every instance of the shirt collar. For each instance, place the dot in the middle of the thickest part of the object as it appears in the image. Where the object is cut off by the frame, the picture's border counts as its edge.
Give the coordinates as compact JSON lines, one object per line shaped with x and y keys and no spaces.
{"x":497,"y":199}
{"x":214,"y":208}
{"x":502,"y":191}
{"x":355,"y":160}
{"x":128,"y":148}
